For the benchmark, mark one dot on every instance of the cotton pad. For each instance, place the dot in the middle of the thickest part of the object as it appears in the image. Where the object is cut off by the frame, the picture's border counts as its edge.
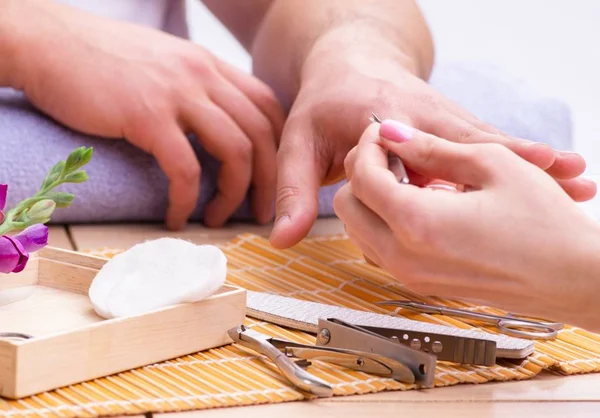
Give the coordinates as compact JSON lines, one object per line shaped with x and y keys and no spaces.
{"x":156,"y":274}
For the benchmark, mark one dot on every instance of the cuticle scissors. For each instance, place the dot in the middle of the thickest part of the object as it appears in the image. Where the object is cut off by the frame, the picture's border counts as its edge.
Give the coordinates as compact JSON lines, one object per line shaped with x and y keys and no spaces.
{"x":507,"y":324}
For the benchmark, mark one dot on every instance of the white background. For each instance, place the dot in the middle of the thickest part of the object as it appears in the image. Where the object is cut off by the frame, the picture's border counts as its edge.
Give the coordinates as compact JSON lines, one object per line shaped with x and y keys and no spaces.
{"x":553,"y":44}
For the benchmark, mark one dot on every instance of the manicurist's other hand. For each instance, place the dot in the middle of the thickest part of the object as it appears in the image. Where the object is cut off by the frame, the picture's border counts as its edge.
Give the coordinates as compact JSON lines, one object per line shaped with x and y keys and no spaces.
{"x":120,"y":80}
{"x":513,"y":239}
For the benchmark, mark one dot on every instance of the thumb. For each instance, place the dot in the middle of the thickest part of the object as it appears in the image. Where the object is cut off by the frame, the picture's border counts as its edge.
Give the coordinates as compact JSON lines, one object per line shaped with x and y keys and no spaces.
{"x":299,"y":176}
{"x":428,"y":155}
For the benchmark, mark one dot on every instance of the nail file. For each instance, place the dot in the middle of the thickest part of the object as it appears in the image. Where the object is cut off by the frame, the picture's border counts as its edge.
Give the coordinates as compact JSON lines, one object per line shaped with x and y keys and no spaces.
{"x":304,"y":316}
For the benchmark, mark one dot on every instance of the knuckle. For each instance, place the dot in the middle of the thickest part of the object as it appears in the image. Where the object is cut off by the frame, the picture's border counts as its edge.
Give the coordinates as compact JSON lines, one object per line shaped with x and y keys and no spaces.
{"x":265,"y":97}
{"x":380,"y":98}
{"x":359,"y":183}
{"x":339,"y":201}
{"x":382,"y":101}
{"x":287,"y":193}
{"x":196,"y":61}
{"x":488,"y":155}
{"x":497,"y":150}
{"x":418,"y":228}
{"x":349,"y":162}
{"x":263,"y":130}
{"x":427,"y":101}
{"x":467,"y":134}
{"x":427,"y":150}
{"x":188,"y":172}
{"x":243,"y":151}
{"x":159,"y":110}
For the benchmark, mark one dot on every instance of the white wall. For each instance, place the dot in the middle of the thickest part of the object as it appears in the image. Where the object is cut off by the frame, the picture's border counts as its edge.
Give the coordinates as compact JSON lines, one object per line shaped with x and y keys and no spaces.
{"x":554,"y":44}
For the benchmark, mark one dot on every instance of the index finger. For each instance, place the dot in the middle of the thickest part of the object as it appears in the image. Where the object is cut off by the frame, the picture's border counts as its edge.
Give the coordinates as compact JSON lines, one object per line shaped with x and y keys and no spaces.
{"x":377,"y":187}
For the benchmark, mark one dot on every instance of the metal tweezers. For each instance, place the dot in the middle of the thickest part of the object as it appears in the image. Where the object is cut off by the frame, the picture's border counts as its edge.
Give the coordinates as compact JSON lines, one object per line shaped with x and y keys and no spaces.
{"x":395,"y":164}
{"x":405,"y":356}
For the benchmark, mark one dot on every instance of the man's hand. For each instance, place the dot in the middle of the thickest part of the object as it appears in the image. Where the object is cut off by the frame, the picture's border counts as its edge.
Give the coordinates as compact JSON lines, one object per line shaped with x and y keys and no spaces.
{"x":339,"y":90}
{"x":120,"y":80}
{"x":333,"y":63}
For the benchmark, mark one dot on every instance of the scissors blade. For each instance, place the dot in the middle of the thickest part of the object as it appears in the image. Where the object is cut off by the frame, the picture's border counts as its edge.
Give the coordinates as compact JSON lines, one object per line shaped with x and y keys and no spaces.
{"x":414,"y":306}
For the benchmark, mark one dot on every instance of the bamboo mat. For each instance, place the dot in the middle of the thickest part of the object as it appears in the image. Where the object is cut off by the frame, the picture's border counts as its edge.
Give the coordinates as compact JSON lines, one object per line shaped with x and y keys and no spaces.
{"x":327,"y":270}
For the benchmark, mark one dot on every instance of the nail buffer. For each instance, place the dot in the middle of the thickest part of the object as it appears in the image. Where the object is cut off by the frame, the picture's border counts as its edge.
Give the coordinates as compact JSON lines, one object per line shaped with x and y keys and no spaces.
{"x":304,"y":316}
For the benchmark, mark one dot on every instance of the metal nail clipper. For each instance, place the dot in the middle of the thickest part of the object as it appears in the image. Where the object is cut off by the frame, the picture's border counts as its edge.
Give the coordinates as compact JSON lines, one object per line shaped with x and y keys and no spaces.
{"x":403,"y":355}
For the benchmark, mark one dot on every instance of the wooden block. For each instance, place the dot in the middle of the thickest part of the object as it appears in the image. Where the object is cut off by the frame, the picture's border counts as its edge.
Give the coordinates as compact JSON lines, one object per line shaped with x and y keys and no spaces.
{"x":73,"y":344}
{"x":64,"y":276}
{"x":72,"y":257}
{"x":8,"y":366}
{"x":123,"y":236}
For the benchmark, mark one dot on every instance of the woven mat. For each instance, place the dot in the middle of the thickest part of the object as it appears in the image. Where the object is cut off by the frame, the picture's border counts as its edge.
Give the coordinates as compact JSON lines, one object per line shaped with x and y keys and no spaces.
{"x":327,"y":270}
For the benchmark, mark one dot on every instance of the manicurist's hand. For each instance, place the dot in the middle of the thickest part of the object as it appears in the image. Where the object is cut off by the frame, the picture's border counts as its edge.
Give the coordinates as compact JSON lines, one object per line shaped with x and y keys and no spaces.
{"x":120,"y":80}
{"x":513,"y":239}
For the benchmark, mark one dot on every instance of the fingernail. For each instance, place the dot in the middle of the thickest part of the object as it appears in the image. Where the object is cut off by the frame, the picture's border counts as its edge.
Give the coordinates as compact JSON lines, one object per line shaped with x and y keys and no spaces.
{"x":172,"y":223}
{"x":539,"y":144}
{"x":281,"y":220}
{"x":369,"y":261}
{"x":567,"y":153}
{"x":275,"y":236}
{"x":393,"y":130}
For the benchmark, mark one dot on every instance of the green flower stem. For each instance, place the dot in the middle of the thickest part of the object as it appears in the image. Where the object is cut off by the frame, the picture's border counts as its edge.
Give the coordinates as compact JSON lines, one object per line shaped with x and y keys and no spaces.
{"x":63,"y":172}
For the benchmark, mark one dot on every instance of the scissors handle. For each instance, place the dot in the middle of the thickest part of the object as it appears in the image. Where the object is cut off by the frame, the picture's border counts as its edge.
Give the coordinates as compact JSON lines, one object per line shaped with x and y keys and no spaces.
{"x":528,"y":329}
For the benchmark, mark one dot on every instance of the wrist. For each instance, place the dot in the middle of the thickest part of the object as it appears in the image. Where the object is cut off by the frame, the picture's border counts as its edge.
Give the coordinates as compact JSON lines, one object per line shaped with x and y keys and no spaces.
{"x":577,"y":278}
{"x":9,"y":42}
{"x":366,"y":46}
{"x":287,"y":58}
{"x":349,"y":50}
{"x":584,"y":303}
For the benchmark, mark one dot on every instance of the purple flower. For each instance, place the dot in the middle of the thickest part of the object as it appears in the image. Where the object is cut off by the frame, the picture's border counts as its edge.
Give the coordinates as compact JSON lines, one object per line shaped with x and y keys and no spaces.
{"x":14,"y":251}
{"x":13,"y":257}
{"x":33,"y":238}
{"x":3,"y":190}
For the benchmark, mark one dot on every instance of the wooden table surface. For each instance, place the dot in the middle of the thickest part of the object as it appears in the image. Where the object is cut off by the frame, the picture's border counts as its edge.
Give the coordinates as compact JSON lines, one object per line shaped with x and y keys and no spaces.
{"x":547,"y":395}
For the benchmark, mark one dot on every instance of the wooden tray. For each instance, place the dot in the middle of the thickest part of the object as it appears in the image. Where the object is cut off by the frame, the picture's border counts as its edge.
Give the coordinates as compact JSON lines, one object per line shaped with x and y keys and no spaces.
{"x":73,"y":344}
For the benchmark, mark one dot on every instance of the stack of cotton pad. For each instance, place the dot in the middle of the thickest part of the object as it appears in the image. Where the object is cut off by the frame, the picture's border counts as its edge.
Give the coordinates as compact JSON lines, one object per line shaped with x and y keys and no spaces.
{"x":157,"y":274}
